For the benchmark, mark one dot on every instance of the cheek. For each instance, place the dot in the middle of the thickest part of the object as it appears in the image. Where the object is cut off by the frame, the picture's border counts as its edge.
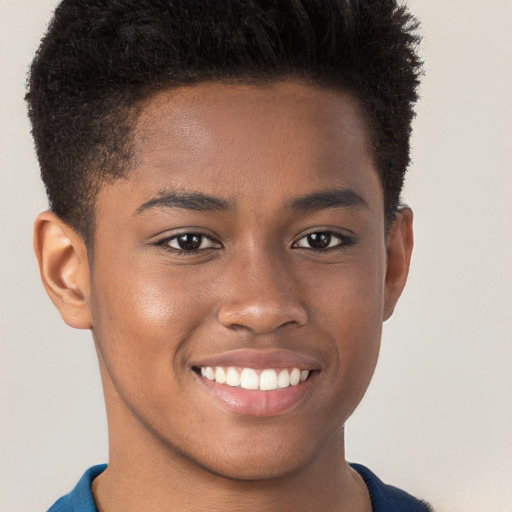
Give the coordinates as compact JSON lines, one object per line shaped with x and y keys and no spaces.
{"x":359,"y":343}
{"x":145,"y":300}
{"x":142,"y":318}
{"x":350,"y":298}
{"x":360,"y":309}
{"x":351,"y":312}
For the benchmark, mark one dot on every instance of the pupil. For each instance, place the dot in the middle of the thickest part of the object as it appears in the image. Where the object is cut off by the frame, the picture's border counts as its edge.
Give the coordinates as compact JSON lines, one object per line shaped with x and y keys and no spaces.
{"x":319,"y":240}
{"x":189,"y":242}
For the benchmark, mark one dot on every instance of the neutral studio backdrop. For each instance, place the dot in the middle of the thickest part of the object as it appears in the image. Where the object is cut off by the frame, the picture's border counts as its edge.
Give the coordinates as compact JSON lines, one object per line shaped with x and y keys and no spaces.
{"x":437,"y":419}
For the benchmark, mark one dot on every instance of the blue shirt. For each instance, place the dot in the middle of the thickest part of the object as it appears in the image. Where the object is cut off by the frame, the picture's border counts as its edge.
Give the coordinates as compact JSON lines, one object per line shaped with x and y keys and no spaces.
{"x":385,"y":498}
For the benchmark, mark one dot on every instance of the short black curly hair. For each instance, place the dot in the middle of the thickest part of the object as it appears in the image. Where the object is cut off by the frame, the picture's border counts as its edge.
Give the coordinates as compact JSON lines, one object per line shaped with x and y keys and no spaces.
{"x":100,"y":58}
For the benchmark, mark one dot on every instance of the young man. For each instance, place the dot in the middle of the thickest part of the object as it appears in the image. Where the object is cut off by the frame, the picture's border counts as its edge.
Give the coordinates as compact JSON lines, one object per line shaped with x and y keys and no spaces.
{"x":224,"y":179}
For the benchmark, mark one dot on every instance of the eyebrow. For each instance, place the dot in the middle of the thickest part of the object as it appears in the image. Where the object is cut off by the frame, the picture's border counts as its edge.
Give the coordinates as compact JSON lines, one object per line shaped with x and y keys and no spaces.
{"x":339,"y":198}
{"x":187,"y":201}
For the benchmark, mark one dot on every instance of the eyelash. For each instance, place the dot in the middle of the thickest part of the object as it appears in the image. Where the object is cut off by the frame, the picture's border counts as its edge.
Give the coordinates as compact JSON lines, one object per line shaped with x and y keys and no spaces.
{"x":344,"y":241}
{"x":165,"y":243}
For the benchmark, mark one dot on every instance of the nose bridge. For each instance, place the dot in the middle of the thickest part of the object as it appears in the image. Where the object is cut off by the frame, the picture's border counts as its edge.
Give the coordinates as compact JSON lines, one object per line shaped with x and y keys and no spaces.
{"x":261,"y":293}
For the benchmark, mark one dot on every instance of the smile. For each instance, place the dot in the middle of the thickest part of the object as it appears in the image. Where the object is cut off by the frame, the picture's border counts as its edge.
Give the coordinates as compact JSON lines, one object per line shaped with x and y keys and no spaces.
{"x":249,"y":378}
{"x":257,"y":383}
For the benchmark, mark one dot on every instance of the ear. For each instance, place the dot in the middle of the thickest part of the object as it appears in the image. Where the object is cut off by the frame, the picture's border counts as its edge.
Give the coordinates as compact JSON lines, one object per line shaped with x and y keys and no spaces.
{"x":62,"y":257}
{"x":400,"y":242}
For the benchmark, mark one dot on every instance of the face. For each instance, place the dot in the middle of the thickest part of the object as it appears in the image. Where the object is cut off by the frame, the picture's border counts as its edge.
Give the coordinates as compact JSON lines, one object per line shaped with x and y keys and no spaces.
{"x":247,"y":244}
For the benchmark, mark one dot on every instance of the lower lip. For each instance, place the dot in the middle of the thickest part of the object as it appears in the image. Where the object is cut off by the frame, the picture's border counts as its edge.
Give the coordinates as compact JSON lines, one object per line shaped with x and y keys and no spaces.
{"x":258,"y":403}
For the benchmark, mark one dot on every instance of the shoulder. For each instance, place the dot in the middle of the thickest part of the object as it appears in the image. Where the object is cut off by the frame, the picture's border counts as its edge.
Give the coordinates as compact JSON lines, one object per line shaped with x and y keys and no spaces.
{"x":80,"y":498}
{"x":386,"y":498}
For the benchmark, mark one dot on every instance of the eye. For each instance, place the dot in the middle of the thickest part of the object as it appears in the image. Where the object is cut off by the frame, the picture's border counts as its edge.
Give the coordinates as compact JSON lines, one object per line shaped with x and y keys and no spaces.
{"x":323,"y":240}
{"x":189,"y":242}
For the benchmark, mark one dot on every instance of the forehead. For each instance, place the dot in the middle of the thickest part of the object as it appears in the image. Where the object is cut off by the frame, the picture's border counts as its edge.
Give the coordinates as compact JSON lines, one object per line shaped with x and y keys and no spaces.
{"x":237,"y":141}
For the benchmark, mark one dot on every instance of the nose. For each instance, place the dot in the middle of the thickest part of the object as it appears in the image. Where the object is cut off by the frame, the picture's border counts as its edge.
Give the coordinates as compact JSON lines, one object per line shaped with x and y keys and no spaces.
{"x":261,"y":297}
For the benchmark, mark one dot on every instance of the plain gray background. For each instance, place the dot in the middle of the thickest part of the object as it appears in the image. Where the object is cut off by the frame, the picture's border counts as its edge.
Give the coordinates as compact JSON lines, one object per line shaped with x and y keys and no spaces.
{"x":437,"y":419}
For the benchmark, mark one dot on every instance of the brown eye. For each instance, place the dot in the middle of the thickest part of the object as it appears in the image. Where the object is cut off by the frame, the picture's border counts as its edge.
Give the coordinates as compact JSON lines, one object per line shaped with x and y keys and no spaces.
{"x":319,"y":240}
{"x":323,"y":240}
{"x":190,"y":242}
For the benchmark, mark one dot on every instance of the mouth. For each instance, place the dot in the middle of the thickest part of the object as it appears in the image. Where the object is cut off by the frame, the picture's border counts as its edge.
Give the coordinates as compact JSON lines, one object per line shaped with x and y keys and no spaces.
{"x":257,"y":383}
{"x":268,"y":379}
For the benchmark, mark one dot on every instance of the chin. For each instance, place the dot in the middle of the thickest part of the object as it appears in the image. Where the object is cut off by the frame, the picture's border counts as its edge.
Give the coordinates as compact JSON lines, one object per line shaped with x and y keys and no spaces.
{"x":258,"y":457}
{"x":256,"y":468}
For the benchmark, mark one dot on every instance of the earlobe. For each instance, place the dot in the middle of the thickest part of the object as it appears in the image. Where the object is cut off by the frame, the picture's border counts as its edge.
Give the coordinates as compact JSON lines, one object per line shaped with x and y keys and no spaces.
{"x":64,"y":269}
{"x":399,"y":249}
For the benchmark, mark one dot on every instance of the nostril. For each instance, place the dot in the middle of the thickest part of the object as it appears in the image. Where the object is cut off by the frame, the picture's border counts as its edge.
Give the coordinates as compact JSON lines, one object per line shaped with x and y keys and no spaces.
{"x":240,"y":327}
{"x":261,"y":318}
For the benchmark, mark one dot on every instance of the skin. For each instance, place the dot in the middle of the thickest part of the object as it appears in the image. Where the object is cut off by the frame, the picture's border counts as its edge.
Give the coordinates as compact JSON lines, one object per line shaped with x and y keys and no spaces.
{"x":255,"y":283}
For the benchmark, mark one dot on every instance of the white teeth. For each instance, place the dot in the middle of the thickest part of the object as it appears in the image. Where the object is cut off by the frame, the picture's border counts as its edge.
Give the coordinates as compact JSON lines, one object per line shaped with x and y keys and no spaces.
{"x":232,"y":378}
{"x":295,"y":377}
{"x":249,"y":379}
{"x":220,"y":375}
{"x":283,"y":380}
{"x":267,"y":380}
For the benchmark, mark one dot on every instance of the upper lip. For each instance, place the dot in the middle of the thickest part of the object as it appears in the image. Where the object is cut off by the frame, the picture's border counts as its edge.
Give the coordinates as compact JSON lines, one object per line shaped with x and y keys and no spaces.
{"x":259,"y":359}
